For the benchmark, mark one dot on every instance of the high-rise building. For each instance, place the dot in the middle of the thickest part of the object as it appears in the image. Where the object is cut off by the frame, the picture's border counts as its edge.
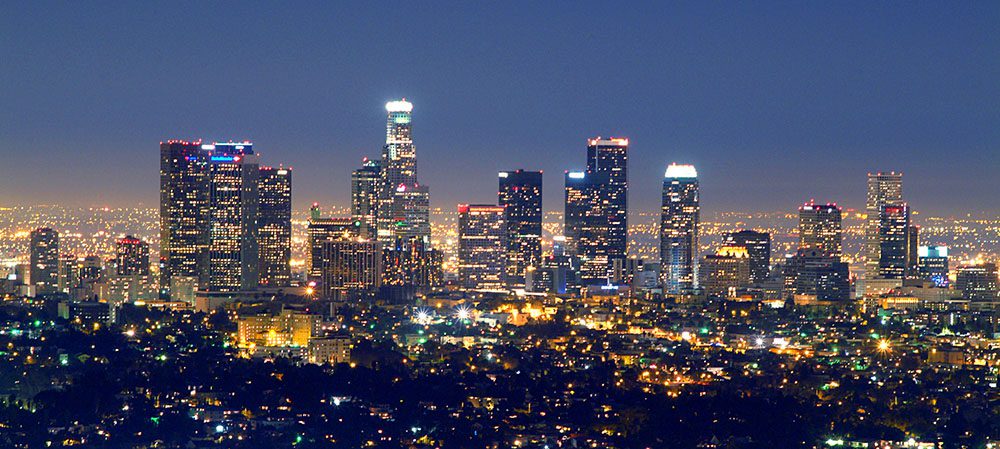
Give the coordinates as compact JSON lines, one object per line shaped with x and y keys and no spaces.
{"x":321,"y":230}
{"x":586,"y":224}
{"x":234,"y":198}
{"x":893,"y":236}
{"x":977,"y":282}
{"x":814,"y":275}
{"x":520,"y":193}
{"x":933,"y":264}
{"x":274,"y":226}
{"x":411,"y":266}
{"x":350,"y":267}
{"x":44,"y":274}
{"x":67,"y":272}
{"x":679,"y":218}
{"x":723,"y":274}
{"x":758,"y":246}
{"x":131,"y":257}
{"x":184,"y":209}
{"x":404,"y":204}
{"x":365,"y":185}
{"x":883,"y":189}
{"x":210,"y":216}
{"x":611,"y":156}
{"x":482,"y":247}
{"x":820,"y":228}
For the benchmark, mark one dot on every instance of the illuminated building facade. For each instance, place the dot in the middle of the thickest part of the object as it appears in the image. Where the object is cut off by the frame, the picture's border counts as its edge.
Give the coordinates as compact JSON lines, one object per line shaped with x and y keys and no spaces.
{"x":723,"y":274}
{"x":520,"y":193}
{"x":758,"y":246}
{"x":44,"y":274}
{"x":813,"y":275}
{"x":274,"y":226}
{"x":350,"y":267}
{"x":482,"y":247}
{"x":611,"y":156}
{"x":587,"y":227}
{"x":365,"y":185}
{"x":321,"y":230}
{"x":67,"y":272}
{"x":820,"y":228}
{"x":184,"y":206}
{"x":330,"y":350}
{"x":234,"y":198}
{"x":131,"y":257}
{"x":933,"y":264}
{"x":893,"y":236}
{"x":977,"y":282}
{"x":411,"y":265}
{"x":289,"y":328}
{"x":404,"y":204}
{"x":883,"y":189}
{"x":679,"y":220}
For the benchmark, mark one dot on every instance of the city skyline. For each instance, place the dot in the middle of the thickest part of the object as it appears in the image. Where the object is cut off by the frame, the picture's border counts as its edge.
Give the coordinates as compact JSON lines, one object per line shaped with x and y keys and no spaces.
{"x":829,"y":98}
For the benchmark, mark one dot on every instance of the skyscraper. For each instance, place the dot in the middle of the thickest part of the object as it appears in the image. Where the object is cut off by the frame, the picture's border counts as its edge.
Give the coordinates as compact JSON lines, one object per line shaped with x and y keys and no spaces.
{"x":365,"y":185}
{"x":727,"y":271}
{"x":44,"y":274}
{"x":184,"y":208}
{"x":404,"y":204}
{"x":274,"y":223}
{"x":234,"y":197}
{"x":482,"y":247}
{"x":933,"y":264}
{"x":978,"y":282}
{"x":131,"y":257}
{"x":893,"y":238}
{"x":587,"y":225}
{"x":758,"y":246}
{"x":813,"y":275}
{"x":679,"y":218}
{"x":820,"y":228}
{"x":321,"y":230}
{"x":350,"y":267}
{"x":883,"y":189}
{"x":520,"y":193}
{"x":611,"y":156}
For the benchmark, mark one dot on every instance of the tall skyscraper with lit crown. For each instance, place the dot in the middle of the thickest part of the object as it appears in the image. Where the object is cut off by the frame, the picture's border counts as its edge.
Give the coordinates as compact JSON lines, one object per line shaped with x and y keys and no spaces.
{"x":404,"y":204}
{"x":679,"y":221}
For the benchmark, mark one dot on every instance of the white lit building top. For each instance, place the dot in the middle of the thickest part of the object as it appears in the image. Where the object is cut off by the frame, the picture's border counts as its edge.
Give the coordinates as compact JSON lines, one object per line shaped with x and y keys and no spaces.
{"x":681,"y":171}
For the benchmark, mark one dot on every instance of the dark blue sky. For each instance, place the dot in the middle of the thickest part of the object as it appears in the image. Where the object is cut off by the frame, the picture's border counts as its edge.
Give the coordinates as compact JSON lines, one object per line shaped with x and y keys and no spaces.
{"x":775,"y":102}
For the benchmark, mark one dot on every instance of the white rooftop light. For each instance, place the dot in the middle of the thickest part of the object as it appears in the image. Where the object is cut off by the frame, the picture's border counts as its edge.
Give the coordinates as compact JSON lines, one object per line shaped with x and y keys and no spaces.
{"x":681,"y":171}
{"x":399,"y":106}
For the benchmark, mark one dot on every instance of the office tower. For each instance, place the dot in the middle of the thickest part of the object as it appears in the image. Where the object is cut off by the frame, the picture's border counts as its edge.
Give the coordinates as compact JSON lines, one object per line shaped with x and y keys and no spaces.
{"x":321,"y":230}
{"x":933,"y":264}
{"x":723,"y":274}
{"x":977,"y":282}
{"x":814,"y":275}
{"x":611,"y":156}
{"x":679,"y":219}
{"x":184,"y":205}
{"x":758,"y":246}
{"x":912,"y":251}
{"x":587,"y":226}
{"x":820,"y":228}
{"x":274,"y":226}
{"x":90,"y":269}
{"x":67,"y":272}
{"x":893,"y":236}
{"x":883,"y":189}
{"x":365,"y":184}
{"x":520,"y":193}
{"x":404,"y":204}
{"x":482,"y":247}
{"x":44,"y":272}
{"x":234,"y":198}
{"x":350,"y":267}
{"x":412,"y":266}
{"x":131,"y":257}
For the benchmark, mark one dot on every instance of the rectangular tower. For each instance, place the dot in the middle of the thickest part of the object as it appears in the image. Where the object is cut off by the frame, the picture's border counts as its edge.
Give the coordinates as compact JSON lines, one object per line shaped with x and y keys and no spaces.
{"x":883,"y":189}
{"x":274,"y":223}
{"x":520,"y":193}
{"x":184,"y":211}
{"x":482,"y":247}
{"x":679,"y":221}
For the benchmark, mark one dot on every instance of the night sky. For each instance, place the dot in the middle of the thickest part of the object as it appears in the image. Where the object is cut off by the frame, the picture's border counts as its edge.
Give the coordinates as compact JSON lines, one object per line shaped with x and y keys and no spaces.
{"x":775,"y":102}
